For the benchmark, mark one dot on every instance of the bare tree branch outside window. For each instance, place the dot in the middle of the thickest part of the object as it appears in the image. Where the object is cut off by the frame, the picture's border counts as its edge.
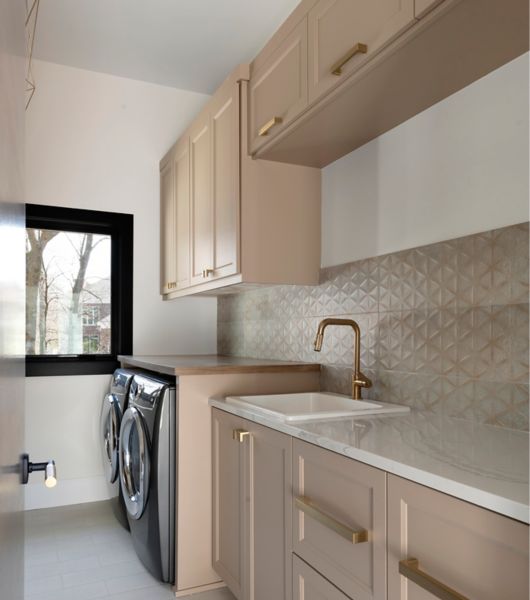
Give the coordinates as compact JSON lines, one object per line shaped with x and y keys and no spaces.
{"x":68,"y":302}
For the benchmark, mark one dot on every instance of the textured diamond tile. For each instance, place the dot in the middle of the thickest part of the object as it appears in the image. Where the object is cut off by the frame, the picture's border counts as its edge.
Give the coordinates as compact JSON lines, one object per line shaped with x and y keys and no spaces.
{"x":443,"y":325}
{"x":475,"y":270}
{"x":397,"y":281}
{"x":436,"y":275}
{"x":477,"y":336}
{"x":510,"y":265}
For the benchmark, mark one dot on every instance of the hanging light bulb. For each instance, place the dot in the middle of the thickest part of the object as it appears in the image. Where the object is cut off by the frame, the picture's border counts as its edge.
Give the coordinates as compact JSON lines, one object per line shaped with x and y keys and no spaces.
{"x":50,"y":474}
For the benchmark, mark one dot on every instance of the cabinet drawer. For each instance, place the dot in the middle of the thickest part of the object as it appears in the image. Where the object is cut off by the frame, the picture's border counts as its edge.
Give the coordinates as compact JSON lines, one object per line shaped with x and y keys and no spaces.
{"x":474,"y":552}
{"x":344,"y":33}
{"x":310,"y":585}
{"x":278,"y":88}
{"x":339,"y":520}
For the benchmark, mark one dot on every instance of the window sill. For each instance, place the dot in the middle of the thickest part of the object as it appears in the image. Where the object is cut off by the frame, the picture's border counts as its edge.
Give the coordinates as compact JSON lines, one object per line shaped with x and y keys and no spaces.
{"x":44,"y":366}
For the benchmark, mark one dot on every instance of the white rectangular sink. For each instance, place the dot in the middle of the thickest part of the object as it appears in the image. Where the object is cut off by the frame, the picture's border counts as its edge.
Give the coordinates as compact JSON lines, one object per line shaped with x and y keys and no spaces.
{"x":313,"y":405}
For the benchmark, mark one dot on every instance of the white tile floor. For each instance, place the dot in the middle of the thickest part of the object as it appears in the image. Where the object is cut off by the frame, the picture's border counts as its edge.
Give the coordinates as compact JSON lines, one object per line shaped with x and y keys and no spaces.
{"x":81,"y":553}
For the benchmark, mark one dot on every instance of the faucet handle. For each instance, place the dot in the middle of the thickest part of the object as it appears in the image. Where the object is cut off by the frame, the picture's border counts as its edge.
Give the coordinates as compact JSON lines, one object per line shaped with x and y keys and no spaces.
{"x":362,"y":381}
{"x":359,"y":381}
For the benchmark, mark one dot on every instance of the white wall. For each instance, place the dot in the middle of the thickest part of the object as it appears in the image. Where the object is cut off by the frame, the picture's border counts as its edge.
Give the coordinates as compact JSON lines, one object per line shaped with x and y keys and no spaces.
{"x":458,"y":168}
{"x":94,"y":141}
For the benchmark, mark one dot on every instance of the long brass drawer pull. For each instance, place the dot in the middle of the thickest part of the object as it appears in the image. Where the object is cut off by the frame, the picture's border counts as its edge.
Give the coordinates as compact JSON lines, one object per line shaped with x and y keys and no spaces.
{"x":336,"y":69}
{"x":269,"y":125}
{"x":240,"y":435}
{"x":171,"y":284}
{"x":410,"y":568}
{"x":311,"y":510}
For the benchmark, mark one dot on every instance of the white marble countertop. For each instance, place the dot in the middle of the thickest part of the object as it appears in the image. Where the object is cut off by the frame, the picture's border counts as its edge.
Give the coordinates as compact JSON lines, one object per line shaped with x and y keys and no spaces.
{"x":485,"y":465}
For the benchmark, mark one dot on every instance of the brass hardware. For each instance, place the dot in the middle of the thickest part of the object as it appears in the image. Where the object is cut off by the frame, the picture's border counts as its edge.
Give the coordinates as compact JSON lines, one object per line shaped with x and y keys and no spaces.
{"x":309,"y":508}
{"x":336,"y":69}
{"x":171,"y":284}
{"x":410,"y":568}
{"x":207,"y":272}
{"x":240,"y":435}
{"x":359,"y":380}
{"x":269,"y":125}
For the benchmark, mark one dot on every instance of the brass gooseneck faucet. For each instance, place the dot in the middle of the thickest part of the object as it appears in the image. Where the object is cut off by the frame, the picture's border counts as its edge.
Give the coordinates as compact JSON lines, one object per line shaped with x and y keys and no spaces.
{"x":359,"y":380}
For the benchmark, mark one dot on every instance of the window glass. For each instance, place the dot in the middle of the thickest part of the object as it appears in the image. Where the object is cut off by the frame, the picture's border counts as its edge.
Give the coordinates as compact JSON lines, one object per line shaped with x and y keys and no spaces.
{"x":68,"y":299}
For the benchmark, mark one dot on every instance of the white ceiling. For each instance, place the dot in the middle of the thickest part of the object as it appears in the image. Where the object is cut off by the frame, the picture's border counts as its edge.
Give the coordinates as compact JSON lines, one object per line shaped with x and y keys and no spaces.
{"x":188,"y":44}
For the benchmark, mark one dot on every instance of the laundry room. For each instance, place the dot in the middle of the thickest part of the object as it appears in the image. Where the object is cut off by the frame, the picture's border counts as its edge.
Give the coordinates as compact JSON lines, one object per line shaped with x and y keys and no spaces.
{"x":264,"y":300}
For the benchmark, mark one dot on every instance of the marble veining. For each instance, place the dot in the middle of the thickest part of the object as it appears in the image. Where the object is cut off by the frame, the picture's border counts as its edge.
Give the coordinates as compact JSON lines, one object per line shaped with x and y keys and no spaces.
{"x":485,"y":465}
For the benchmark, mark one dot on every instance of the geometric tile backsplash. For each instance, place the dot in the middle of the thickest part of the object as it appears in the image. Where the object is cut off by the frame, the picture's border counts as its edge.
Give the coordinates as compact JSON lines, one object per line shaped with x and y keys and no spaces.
{"x":444,"y":327}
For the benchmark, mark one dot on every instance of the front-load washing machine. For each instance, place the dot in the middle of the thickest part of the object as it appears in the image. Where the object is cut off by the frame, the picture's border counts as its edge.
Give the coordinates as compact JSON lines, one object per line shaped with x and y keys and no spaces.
{"x":112,"y":409}
{"x":147,"y":471}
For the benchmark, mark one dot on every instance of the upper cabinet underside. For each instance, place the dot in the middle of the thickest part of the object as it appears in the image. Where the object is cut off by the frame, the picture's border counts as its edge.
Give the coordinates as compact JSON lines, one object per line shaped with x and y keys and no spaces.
{"x":369,"y":67}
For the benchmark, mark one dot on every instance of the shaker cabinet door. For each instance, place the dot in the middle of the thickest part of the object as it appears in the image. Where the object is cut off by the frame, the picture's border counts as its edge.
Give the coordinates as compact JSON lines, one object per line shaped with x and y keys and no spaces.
{"x":229,"y":461}
{"x":343,"y":33}
{"x":269,"y":530}
{"x":438,"y":544}
{"x":168,"y":279}
{"x":225,"y":184}
{"x":278,"y":87}
{"x":201,"y":200}
{"x":181,"y":167}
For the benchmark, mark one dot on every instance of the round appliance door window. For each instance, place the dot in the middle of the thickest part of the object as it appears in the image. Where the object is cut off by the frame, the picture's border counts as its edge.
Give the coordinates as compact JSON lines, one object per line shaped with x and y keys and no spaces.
{"x":110,"y":432}
{"x":134,"y":462}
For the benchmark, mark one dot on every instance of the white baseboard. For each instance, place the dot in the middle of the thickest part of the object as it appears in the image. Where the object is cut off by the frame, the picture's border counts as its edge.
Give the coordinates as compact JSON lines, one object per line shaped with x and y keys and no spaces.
{"x":67,"y":491}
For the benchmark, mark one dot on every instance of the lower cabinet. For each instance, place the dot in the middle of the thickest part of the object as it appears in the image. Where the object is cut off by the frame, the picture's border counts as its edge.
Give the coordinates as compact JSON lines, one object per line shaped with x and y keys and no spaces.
{"x":252,"y":508}
{"x":442,"y":547}
{"x":295,"y":521}
{"x":340,"y":520}
{"x":308,"y":584}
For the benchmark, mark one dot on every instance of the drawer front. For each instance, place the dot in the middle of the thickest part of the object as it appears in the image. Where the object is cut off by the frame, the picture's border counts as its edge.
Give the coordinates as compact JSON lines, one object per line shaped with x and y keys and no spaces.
{"x":310,"y":585}
{"x":475,"y":553}
{"x":344,"y":33}
{"x":278,"y":88}
{"x":335,"y":499}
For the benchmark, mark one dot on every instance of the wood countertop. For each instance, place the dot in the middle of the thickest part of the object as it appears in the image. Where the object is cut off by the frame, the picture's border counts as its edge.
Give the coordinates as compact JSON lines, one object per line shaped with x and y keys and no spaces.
{"x":212,"y":364}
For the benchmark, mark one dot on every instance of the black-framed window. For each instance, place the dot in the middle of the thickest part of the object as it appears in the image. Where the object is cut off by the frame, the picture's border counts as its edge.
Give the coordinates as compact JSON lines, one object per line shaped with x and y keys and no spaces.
{"x":79,"y":279}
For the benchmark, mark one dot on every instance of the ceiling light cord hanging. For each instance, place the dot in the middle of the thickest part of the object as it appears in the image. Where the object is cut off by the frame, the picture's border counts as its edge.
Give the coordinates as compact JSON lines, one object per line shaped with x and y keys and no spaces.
{"x":32,"y":12}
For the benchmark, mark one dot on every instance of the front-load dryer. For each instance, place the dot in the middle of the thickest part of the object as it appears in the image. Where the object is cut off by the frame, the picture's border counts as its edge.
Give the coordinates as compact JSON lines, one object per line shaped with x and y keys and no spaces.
{"x":148,"y":471}
{"x":112,"y":409}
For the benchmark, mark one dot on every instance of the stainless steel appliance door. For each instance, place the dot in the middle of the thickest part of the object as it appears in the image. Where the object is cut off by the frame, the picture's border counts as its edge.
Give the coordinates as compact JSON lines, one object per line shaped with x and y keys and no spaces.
{"x":110,"y":422}
{"x":135,"y":462}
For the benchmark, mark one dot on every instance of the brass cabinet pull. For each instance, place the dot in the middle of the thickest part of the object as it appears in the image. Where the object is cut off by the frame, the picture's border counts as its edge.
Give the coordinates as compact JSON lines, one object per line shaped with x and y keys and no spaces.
{"x":240,"y":435}
{"x":269,"y":125}
{"x":207,"y":272}
{"x":309,"y":508}
{"x":171,"y":284}
{"x":410,"y":568}
{"x":336,"y":69}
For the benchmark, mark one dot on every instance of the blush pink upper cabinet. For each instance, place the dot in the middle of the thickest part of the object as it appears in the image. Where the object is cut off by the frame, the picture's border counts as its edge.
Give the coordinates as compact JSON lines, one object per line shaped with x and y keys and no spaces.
{"x":344,"y":33}
{"x":439,"y":543}
{"x":167,"y":226}
{"x":278,"y":87}
{"x":422,"y":7}
{"x":225,"y":184}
